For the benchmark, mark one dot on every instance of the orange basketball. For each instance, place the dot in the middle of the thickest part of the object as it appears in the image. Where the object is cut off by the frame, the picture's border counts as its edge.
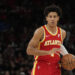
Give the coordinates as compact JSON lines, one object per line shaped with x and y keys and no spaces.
{"x":68,"y":62}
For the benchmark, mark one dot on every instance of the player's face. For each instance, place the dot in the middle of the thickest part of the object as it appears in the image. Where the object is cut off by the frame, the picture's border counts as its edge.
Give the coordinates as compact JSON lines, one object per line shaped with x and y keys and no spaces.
{"x":52,"y":19}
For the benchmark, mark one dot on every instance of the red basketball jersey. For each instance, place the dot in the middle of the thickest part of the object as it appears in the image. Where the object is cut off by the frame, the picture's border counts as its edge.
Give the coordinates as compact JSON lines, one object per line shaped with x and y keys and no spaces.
{"x":50,"y":41}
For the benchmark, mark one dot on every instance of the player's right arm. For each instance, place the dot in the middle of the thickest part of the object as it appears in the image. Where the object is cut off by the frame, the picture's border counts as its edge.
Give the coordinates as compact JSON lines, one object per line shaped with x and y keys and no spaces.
{"x":32,"y":48}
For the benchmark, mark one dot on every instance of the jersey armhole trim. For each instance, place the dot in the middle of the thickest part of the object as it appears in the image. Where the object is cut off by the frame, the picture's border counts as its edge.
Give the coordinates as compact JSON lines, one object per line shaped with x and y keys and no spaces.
{"x":61,"y":34}
{"x":43,"y":36}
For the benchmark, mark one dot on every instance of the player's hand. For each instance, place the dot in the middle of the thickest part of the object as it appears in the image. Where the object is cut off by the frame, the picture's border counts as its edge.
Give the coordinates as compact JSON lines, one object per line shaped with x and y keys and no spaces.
{"x":54,"y":51}
{"x":71,"y":60}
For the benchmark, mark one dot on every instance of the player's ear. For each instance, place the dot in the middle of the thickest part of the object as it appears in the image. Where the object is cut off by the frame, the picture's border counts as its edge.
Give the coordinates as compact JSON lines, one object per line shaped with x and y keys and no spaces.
{"x":46,"y":18}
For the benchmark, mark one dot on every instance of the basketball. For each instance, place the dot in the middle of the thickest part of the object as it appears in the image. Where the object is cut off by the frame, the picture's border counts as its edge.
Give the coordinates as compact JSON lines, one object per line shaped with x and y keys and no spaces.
{"x":68,"y":62}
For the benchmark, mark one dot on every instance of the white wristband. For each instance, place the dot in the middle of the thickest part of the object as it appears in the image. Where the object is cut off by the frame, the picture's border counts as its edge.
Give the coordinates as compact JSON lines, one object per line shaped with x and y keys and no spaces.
{"x":63,"y":50}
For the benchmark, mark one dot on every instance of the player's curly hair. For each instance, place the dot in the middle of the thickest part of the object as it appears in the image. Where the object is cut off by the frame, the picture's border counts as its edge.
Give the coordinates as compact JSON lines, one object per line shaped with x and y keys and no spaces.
{"x":53,"y":8}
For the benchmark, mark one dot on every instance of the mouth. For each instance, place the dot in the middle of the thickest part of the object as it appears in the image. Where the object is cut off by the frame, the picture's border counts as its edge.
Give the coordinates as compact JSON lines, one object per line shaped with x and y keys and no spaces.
{"x":52,"y":22}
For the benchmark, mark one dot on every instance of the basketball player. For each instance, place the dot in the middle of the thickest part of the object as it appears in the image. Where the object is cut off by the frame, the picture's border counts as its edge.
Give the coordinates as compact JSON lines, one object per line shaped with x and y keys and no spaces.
{"x":46,"y":44}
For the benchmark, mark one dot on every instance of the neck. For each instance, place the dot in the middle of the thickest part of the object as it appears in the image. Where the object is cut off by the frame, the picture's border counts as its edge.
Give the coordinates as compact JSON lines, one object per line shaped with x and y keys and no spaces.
{"x":52,"y":29}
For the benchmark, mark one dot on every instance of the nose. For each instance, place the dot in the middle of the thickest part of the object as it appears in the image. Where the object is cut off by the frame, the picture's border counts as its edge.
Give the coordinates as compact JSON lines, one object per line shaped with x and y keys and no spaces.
{"x":52,"y":18}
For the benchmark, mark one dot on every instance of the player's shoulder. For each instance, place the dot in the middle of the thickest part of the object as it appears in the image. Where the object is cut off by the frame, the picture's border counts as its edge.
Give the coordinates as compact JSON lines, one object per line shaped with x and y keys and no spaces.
{"x":39,"y":30}
{"x":63,"y":31}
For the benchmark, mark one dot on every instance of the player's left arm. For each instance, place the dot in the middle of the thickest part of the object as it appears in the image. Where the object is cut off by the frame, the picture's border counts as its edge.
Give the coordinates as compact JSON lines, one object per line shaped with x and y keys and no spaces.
{"x":62,"y":48}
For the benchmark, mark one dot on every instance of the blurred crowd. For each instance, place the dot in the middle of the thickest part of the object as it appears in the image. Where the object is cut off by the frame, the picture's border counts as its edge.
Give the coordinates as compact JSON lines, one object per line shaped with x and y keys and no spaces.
{"x":18,"y":21}
{"x":13,"y":57}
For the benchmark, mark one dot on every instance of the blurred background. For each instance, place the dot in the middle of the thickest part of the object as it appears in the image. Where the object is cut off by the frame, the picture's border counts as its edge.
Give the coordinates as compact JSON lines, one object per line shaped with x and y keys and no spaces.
{"x":18,"y":21}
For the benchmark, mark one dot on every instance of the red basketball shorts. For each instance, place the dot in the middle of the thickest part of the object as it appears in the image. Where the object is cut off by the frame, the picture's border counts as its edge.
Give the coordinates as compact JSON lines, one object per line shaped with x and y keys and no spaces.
{"x":45,"y":68}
